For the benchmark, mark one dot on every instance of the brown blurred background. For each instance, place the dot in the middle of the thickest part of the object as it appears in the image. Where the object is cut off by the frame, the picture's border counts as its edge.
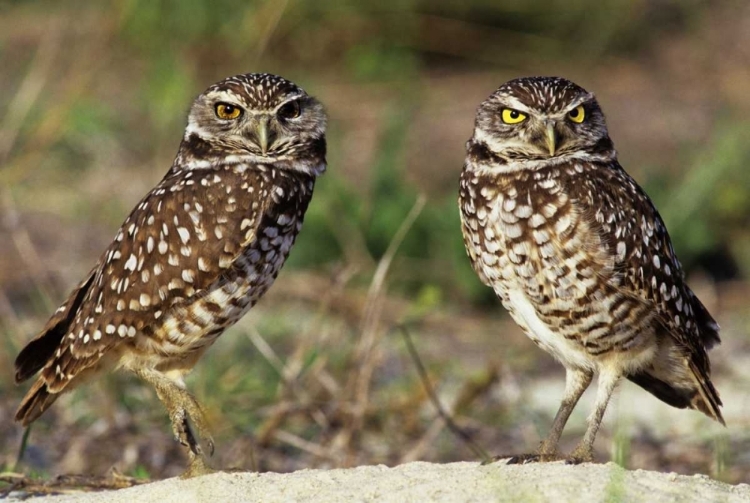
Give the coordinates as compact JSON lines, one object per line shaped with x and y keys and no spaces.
{"x":93,"y":97}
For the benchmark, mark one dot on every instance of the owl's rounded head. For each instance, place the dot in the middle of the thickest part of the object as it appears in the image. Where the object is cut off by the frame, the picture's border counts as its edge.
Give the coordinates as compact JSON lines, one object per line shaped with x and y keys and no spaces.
{"x":256,"y":117}
{"x":541,"y":118}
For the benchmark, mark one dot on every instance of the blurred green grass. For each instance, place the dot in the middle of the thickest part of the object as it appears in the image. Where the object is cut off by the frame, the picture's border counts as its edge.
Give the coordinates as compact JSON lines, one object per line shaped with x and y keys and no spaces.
{"x":93,"y":98}
{"x":123,"y":113}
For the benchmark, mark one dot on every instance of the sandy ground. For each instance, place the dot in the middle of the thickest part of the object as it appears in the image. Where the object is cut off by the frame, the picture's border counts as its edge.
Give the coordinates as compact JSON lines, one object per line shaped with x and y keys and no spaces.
{"x":420,"y":481}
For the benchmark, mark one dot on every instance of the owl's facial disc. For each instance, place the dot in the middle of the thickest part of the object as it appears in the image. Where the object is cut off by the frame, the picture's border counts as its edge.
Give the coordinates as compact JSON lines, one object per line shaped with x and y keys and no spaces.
{"x":255,"y":118}
{"x":545,"y":133}
{"x":534,"y":121}
{"x":249,"y":123}
{"x":516,"y":130}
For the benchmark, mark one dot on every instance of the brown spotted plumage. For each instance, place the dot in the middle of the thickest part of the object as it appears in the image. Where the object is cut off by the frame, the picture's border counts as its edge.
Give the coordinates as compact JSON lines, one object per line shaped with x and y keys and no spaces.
{"x":194,"y":255}
{"x":578,"y":254}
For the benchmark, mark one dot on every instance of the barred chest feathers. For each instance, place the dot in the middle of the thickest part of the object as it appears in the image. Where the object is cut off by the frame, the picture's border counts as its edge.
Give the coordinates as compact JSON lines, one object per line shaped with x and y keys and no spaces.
{"x":528,"y":240}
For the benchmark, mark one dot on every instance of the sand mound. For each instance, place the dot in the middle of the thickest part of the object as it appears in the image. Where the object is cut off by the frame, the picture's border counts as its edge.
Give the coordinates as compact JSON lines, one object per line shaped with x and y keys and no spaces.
{"x":421,"y":481}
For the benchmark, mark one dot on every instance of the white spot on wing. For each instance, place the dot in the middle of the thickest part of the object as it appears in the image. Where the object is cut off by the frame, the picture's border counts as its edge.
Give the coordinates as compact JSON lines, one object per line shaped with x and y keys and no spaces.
{"x":187,"y":275}
{"x":145,"y":299}
{"x":184,"y":234}
{"x":131,"y":263}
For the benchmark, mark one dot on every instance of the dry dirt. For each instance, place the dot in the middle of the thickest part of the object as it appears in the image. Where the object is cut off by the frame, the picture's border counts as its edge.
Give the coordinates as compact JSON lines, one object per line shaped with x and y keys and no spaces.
{"x":424,"y":482}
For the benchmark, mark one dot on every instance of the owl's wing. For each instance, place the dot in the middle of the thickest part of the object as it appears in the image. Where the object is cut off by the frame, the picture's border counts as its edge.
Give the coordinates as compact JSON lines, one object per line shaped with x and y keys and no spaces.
{"x":178,"y":241}
{"x":647,"y":270}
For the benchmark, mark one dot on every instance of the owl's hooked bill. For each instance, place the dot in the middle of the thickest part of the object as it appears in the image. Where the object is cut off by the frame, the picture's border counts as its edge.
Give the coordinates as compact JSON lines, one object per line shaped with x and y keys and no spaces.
{"x":550,"y":137}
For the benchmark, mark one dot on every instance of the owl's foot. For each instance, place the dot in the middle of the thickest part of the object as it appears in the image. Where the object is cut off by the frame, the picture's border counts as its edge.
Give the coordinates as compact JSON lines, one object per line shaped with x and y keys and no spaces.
{"x":522,"y":459}
{"x":197,"y":467}
{"x":186,"y":415}
{"x":184,"y":434}
{"x":181,"y":425}
{"x":184,"y":412}
{"x":582,"y":454}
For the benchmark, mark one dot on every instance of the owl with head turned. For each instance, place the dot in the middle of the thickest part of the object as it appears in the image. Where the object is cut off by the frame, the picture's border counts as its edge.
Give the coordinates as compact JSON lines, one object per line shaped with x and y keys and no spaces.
{"x":194,"y":255}
{"x":579,"y":256}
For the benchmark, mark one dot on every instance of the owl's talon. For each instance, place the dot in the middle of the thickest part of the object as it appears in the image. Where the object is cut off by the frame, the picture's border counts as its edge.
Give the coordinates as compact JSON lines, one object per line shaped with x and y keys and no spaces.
{"x":513,"y":459}
{"x":193,"y":443}
{"x":581,"y":454}
{"x":200,"y":424}
{"x":523,"y":459}
{"x":184,"y":433}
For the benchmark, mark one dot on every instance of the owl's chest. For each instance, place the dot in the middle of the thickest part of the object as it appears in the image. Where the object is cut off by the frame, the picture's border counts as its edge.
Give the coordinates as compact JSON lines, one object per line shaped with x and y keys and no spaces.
{"x":537,"y":327}
{"x":553,"y":274}
{"x":531,"y":240}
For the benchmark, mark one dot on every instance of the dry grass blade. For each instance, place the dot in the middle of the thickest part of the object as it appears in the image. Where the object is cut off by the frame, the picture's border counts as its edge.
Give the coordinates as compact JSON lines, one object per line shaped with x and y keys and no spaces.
{"x":22,"y":447}
{"x":23,"y":101}
{"x":29,"y":91}
{"x":272,"y":19}
{"x":268,"y":353}
{"x":452,"y":426}
{"x":65,"y":484}
{"x":288,"y":377}
{"x":364,"y":361}
{"x":302,"y":444}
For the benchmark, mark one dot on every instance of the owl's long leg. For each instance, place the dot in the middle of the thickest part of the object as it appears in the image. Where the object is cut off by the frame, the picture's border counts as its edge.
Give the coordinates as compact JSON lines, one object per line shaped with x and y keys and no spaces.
{"x":182,"y":406}
{"x":576,"y":382}
{"x":585,"y":449}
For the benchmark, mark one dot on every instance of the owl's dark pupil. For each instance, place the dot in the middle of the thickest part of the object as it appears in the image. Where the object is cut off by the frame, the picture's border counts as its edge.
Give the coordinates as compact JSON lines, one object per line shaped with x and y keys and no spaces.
{"x":574,"y":113}
{"x":514,"y":114}
{"x":228,"y":109}
{"x":290,"y":110}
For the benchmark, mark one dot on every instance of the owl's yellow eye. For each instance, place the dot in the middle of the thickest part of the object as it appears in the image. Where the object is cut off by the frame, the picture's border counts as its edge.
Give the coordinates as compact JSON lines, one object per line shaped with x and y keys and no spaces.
{"x":511,"y":116}
{"x":227,"y":111}
{"x":577,"y":114}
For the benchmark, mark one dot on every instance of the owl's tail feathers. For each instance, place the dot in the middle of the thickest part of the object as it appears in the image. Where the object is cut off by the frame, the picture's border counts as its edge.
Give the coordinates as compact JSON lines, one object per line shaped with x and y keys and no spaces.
{"x":30,"y":360}
{"x":36,"y":401}
{"x":37,"y":353}
{"x":707,"y":399}
{"x":39,"y":350}
{"x":691,"y":389}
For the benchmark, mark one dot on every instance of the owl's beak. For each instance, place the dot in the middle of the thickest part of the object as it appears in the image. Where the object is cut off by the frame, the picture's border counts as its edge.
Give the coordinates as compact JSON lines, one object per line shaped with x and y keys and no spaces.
{"x":263,"y":134}
{"x":550,"y":137}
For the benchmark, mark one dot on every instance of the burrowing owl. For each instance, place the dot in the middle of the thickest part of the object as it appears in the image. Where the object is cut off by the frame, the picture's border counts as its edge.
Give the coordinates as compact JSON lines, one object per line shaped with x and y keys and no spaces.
{"x":194,"y":255}
{"x":578,"y":254}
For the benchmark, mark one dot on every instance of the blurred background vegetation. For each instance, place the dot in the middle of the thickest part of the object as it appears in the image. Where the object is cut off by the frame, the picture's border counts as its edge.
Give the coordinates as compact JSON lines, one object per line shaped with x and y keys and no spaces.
{"x":93,"y":97}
